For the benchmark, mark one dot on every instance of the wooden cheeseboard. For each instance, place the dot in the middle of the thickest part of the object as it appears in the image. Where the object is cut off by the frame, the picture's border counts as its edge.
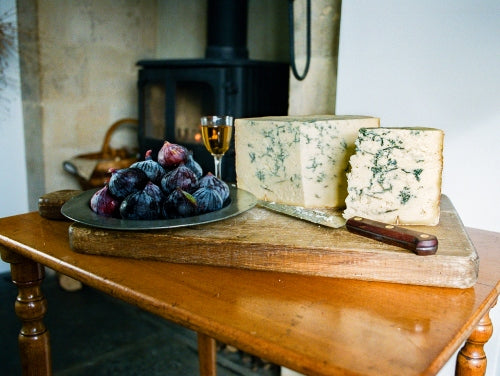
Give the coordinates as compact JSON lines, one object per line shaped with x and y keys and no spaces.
{"x":260,"y":239}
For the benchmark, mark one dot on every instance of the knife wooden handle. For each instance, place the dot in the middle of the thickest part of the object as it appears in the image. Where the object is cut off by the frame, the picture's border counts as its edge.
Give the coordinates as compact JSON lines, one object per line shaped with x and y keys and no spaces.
{"x":418,"y":242}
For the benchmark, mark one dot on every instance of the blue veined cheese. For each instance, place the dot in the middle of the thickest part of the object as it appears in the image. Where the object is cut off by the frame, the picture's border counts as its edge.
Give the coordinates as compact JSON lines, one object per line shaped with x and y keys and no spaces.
{"x":395,"y":176}
{"x":297,"y":160}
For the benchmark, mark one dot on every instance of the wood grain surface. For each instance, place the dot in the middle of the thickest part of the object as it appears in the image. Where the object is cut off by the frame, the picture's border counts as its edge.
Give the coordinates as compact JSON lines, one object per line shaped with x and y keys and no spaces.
{"x":314,"y":325}
{"x":263,"y":240}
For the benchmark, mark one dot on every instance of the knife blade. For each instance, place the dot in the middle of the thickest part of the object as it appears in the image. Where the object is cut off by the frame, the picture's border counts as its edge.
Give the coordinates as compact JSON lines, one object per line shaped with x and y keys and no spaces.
{"x":326,"y":217}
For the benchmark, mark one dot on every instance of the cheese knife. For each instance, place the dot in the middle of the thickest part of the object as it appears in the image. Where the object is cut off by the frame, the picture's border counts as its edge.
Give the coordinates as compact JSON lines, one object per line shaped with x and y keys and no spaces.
{"x":422,"y":244}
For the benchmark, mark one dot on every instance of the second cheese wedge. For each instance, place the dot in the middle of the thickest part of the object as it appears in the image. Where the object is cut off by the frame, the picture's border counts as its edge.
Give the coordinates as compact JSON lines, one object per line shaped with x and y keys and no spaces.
{"x":395,"y":176}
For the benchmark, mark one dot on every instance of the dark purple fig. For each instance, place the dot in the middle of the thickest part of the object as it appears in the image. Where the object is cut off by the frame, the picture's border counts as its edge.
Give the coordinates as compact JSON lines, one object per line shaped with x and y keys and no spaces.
{"x":193,"y":165}
{"x":179,"y":204}
{"x":126,"y":181}
{"x":208,"y":200}
{"x":211,"y":181}
{"x":154,"y":191}
{"x":181,"y":177}
{"x":151,"y":168}
{"x":140,"y":205}
{"x":172,"y":155}
{"x":104,"y":204}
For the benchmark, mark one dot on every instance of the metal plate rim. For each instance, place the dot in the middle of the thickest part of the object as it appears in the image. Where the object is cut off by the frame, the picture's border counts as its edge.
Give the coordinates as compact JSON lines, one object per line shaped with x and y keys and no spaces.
{"x":78,"y":209}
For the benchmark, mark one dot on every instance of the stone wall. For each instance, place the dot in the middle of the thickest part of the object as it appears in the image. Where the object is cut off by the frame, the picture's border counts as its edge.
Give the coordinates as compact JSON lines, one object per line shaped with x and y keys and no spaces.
{"x":316,"y":93}
{"x":87,"y":51}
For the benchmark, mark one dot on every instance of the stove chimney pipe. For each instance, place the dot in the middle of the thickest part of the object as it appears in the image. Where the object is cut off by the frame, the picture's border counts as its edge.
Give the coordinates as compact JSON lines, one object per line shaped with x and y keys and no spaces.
{"x":227,"y":29}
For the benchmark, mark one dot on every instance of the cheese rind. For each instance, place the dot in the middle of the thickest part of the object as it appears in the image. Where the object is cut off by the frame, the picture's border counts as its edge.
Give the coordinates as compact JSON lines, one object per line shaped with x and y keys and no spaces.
{"x":395,"y":176}
{"x":297,"y":160}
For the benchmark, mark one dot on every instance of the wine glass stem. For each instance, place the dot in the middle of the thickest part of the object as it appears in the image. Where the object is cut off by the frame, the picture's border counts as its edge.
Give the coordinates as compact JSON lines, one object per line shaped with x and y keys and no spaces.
{"x":218,"y":164}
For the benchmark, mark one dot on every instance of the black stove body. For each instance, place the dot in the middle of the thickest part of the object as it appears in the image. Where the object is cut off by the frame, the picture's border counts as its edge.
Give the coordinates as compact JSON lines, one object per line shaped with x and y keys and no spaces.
{"x":175,"y":93}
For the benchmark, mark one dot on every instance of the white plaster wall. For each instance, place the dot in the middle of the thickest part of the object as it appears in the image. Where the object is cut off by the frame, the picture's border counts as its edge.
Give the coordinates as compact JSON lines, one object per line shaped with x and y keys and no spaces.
{"x":436,"y":64}
{"x":13,"y":182}
{"x":433,"y":63}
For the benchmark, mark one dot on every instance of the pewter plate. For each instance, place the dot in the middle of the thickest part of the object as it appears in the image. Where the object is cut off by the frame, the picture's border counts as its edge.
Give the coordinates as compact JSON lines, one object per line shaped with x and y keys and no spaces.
{"x":78,"y":210}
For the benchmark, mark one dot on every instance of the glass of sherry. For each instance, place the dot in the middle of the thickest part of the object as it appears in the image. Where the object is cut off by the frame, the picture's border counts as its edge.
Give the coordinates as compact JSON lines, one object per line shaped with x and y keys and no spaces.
{"x":216,"y":133}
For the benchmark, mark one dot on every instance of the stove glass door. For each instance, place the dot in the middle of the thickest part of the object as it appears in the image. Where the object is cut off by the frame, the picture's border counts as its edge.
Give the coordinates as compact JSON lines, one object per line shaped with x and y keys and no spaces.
{"x":192,"y":100}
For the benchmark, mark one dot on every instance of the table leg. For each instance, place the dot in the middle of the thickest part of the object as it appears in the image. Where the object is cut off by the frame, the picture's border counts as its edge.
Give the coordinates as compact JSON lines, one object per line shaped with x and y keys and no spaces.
{"x":30,"y":307}
{"x":471,"y":360}
{"x":207,"y":355}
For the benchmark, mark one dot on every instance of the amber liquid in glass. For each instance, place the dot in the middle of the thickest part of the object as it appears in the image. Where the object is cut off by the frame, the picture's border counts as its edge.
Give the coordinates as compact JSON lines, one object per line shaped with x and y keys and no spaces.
{"x":216,"y":133}
{"x":216,"y":138}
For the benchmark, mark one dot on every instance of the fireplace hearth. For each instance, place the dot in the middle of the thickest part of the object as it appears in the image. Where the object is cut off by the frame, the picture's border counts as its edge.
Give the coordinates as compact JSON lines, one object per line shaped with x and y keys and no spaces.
{"x":175,"y":93}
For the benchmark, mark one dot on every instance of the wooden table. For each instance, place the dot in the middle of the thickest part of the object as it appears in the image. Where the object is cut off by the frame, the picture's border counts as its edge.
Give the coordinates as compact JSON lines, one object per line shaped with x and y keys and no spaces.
{"x":315,"y":325}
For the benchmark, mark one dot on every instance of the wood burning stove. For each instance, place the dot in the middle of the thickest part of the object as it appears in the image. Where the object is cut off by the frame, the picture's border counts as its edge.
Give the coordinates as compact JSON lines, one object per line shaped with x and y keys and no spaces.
{"x":175,"y":93}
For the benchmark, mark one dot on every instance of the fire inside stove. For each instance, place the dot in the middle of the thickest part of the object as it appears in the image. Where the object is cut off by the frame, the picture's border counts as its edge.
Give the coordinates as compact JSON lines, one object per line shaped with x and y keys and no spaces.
{"x":192,"y":100}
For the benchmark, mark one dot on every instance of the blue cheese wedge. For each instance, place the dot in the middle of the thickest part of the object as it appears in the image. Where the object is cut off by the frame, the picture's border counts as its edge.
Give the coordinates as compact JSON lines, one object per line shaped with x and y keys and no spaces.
{"x":297,"y":160}
{"x":395,"y":176}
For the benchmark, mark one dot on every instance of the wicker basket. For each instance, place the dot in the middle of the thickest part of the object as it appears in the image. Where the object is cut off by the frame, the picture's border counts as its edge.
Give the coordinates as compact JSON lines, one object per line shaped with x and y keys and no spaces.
{"x":97,"y":165}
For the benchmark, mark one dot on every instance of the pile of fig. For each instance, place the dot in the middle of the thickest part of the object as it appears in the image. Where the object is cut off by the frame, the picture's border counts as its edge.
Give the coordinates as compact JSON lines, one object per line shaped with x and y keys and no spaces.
{"x":171,"y":187}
